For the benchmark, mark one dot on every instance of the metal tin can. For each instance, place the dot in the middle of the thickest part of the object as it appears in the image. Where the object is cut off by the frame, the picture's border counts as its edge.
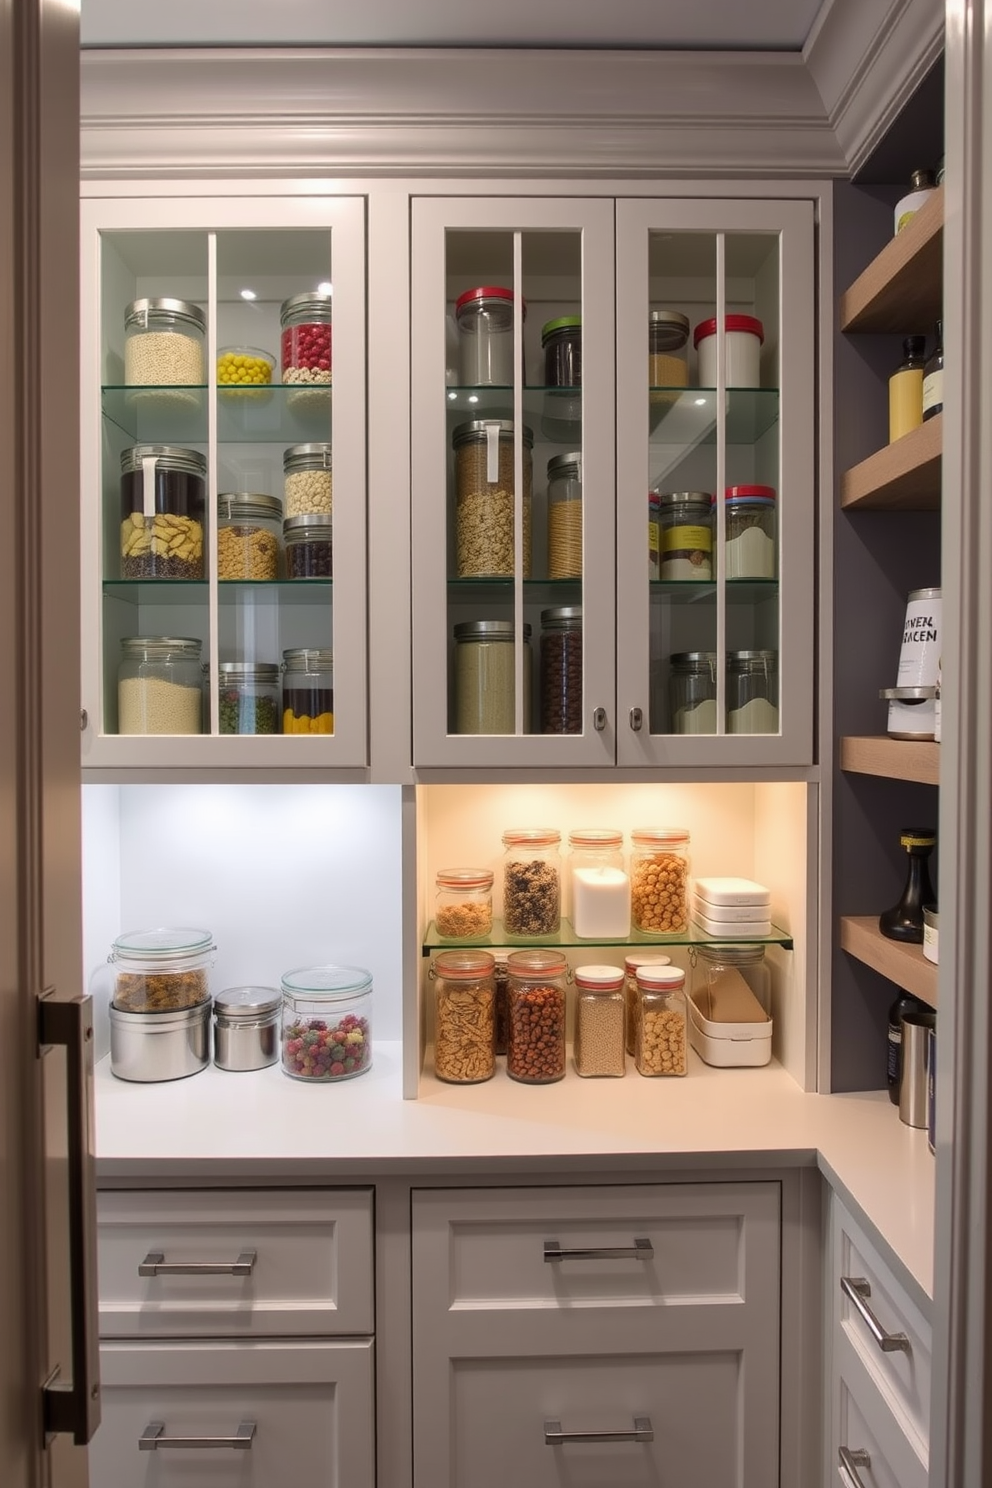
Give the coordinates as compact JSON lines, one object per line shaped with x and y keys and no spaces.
{"x":147,"y":1047}
{"x":246,"y":1027}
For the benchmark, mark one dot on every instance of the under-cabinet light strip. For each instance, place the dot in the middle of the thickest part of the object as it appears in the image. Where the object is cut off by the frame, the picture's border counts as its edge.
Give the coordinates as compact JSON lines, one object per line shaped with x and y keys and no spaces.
{"x":213,"y":648}
{"x":518,"y":485}
{"x":721,"y":477}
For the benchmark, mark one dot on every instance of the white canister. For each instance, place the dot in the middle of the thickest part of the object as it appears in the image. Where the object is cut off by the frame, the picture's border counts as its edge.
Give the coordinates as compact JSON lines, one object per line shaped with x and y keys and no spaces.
{"x":743,"y":338}
{"x":911,"y":701}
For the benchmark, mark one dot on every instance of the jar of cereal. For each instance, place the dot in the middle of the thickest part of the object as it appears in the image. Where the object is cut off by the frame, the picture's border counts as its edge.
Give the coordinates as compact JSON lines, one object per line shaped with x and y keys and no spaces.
{"x":630,"y":965}
{"x":660,"y":1043}
{"x":535,"y":1052}
{"x":249,"y":525}
{"x":464,"y":903}
{"x":307,"y":485}
{"x":599,"y":1020}
{"x":532,"y":882}
{"x":659,"y":870}
{"x":326,"y":1022}
{"x":484,"y":499}
{"x":464,"y":1017}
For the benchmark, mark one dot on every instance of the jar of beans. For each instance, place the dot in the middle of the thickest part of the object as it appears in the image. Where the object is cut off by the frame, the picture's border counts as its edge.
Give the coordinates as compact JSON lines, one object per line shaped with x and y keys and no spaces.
{"x":308,"y":690}
{"x":464,"y":1017}
{"x":630,"y":965}
{"x":532,"y":882}
{"x":659,"y":872}
{"x":309,"y":550}
{"x":561,"y":670}
{"x":464,"y":903}
{"x":599,"y":1021}
{"x":160,"y":685}
{"x":163,"y":502}
{"x":307,"y":480}
{"x":484,"y":318}
{"x":305,"y":348}
{"x":326,"y":1023}
{"x":163,"y":347}
{"x":660,"y":1042}
{"x":565,"y":516}
{"x":249,"y":531}
{"x":686,"y":520}
{"x":249,"y":697}
{"x":535,"y":1051}
{"x":484,"y":499}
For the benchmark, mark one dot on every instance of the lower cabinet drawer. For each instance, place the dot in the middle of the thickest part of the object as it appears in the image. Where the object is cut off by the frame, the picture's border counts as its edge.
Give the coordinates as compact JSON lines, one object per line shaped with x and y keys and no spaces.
{"x":870,"y":1449}
{"x":266,"y":1414}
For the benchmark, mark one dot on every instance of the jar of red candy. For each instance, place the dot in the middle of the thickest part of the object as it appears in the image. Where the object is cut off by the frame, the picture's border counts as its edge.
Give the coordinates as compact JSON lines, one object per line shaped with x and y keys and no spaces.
{"x":326,"y":1022}
{"x":306,"y":340}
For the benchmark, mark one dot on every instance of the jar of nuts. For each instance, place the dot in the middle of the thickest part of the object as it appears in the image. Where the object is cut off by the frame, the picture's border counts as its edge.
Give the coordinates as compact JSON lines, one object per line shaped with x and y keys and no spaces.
{"x":464,"y":1017}
{"x":308,"y":483}
{"x":161,"y":970}
{"x":464,"y":903}
{"x":599,"y":1020}
{"x":532,"y":882}
{"x":660,"y":1043}
{"x":249,"y":528}
{"x":659,"y":871}
{"x":535,"y":1051}
{"x":630,"y":965}
{"x":484,"y":499}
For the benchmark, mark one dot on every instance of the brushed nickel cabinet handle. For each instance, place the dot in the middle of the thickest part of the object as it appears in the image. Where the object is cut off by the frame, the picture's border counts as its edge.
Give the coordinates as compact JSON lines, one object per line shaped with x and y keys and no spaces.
{"x":599,"y":719}
{"x":857,"y":1289}
{"x":642,"y":1431}
{"x":636,"y":719}
{"x":155,"y":1264}
{"x":152,"y":1439}
{"x":641,"y":1250}
{"x":849,"y":1462}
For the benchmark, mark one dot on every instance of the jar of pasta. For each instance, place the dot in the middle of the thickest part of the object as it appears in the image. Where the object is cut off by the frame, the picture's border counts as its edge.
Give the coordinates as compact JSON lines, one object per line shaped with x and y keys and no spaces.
{"x":660,"y":1043}
{"x":308,"y":691}
{"x":463,"y":903}
{"x":161,"y":970}
{"x":565,"y":516}
{"x":484,"y":499}
{"x":659,"y":872}
{"x":464,"y":1017}
{"x":535,"y":1052}
{"x":598,"y":1048}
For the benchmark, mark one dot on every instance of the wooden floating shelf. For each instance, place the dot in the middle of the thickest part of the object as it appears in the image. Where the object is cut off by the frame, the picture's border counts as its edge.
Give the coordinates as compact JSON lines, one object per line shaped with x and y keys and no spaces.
{"x":903,"y":964}
{"x":896,"y":759}
{"x":904,"y":476}
{"x":900,"y":290}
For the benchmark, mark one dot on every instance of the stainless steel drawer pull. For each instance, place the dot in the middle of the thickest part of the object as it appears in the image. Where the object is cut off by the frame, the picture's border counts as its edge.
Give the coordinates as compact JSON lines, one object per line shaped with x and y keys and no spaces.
{"x":857,"y":1289}
{"x":152,"y":1440}
{"x":642,"y":1431}
{"x":641,"y":1250}
{"x":155,"y":1264}
{"x":850,"y":1462}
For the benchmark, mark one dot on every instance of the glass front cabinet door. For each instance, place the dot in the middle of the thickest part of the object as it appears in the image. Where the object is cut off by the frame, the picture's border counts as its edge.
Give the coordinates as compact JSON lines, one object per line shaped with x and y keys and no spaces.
{"x":223,"y":514}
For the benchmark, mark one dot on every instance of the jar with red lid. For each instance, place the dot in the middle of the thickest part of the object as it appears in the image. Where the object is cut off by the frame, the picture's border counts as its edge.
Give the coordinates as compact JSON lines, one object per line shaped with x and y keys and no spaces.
{"x":599,"y":1021}
{"x":743,"y":338}
{"x":535,"y":1052}
{"x":464,"y":1017}
{"x":659,"y":872}
{"x":464,"y":903}
{"x":750,"y":542}
{"x":660,"y":1042}
{"x":306,"y":342}
{"x":484,"y":318}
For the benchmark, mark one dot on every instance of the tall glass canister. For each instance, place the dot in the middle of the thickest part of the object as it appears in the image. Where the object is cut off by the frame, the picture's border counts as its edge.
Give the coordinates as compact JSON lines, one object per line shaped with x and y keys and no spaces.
{"x":464,"y":1017}
{"x":535,"y":1052}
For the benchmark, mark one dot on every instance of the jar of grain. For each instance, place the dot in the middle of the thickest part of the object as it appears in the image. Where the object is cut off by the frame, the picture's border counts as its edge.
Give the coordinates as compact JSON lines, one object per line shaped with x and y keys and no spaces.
{"x":535,"y":1051}
{"x":692,"y":686}
{"x":160,"y":685}
{"x":599,"y":1021}
{"x":249,"y":697}
{"x":163,"y":502}
{"x":484,"y":677}
{"x":305,"y":349}
{"x":752,"y":692}
{"x":484,"y":499}
{"x":531,"y":882}
{"x":249,"y":528}
{"x":686,"y":523}
{"x":750,"y":532}
{"x":463,"y":903}
{"x":600,"y":887}
{"x":660,"y":1043}
{"x":464,"y":1017}
{"x":163,"y":346}
{"x":565,"y":516}
{"x":326,"y":1023}
{"x":307,"y":485}
{"x":309,"y":547}
{"x":308,"y":690}
{"x":659,"y":872}
{"x":561,"y":670}
{"x":668,"y":337}
{"x":484,"y":318}
{"x":630,"y":965}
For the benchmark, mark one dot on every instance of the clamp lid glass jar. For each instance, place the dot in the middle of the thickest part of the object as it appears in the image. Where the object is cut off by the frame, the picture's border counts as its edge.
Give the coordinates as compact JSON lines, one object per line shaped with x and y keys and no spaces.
{"x":561,"y":341}
{"x":659,"y":872}
{"x":463,"y":903}
{"x":535,"y":1051}
{"x":161,"y":970}
{"x":565,"y":516}
{"x":728,"y":967}
{"x":326,"y":1022}
{"x":750,"y":532}
{"x":305,"y":342}
{"x":600,"y":886}
{"x":484,"y":677}
{"x":599,"y":1021}
{"x":531,"y":882}
{"x":484,"y":318}
{"x":160,"y":685}
{"x":464,"y":1017}
{"x":308,"y":483}
{"x":249,"y":530}
{"x":630,"y":965}
{"x":163,"y":501}
{"x":163,"y":343}
{"x":246,"y":1027}
{"x":561,"y":670}
{"x":692,"y":684}
{"x":484,"y":498}
{"x":660,"y":1038}
{"x":686,"y":535}
{"x":309,"y":547}
{"x":249,"y":697}
{"x":308,"y":690}
{"x":752,"y":692}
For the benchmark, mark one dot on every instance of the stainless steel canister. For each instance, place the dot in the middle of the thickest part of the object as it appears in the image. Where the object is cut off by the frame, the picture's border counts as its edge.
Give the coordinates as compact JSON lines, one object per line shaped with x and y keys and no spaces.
{"x":915,"y":1067}
{"x":159,"y":1046}
{"x":246,"y":1028}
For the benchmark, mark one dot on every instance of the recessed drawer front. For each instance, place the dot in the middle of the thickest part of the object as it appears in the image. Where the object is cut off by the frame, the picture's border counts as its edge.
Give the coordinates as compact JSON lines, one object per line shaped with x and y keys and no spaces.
{"x":225,"y":1263}
{"x":236,"y":1415}
{"x":870,"y":1450}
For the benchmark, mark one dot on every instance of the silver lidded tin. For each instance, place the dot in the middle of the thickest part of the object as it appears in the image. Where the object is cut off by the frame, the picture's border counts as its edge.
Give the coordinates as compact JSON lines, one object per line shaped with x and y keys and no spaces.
{"x":246,"y":1030}
{"x":159,"y":1046}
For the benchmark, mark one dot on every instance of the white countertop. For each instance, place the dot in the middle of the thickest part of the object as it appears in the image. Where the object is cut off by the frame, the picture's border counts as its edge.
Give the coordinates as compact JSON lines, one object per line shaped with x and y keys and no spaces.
{"x":266,"y":1124}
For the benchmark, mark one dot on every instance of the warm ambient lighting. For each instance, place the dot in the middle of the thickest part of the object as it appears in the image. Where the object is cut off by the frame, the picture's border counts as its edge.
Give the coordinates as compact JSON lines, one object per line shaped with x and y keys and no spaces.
{"x":700,"y":402}
{"x":248,"y":294}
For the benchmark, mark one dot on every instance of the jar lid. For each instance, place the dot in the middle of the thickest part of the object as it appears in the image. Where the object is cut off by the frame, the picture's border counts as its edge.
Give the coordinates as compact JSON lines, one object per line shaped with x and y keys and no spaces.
{"x":598,"y":978}
{"x":563,"y":323}
{"x":493,"y":630}
{"x":673,"y":318}
{"x":487,"y":292}
{"x":732,"y":955}
{"x":694,"y":658}
{"x":463,"y":964}
{"x":318,"y":523}
{"x":333,"y":983}
{"x":562,"y":617}
{"x":169,"y":456}
{"x":660,"y":836}
{"x":570,"y":464}
{"x":633,"y":961}
{"x":750,"y":493}
{"x":248,"y":504}
{"x":746,"y":323}
{"x":250,"y":671}
{"x":595,"y":837}
{"x":918,"y":837}
{"x":311,"y":300}
{"x":306,"y":454}
{"x":247,"y":1003}
{"x":464,"y":878}
{"x":138,"y":312}
{"x":924,"y":594}
{"x":305,"y":658}
{"x":679,"y":498}
{"x":158,"y":648}
{"x":536,"y":964}
{"x":163,"y":949}
{"x":735,"y":658}
{"x":921,"y":179}
{"x":662,"y":977}
{"x":470,"y":432}
{"x":531,"y":837}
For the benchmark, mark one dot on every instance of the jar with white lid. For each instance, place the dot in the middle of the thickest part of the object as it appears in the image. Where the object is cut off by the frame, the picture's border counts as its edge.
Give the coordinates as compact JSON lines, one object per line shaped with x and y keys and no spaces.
{"x":630,"y":965}
{"x":686,"y":535}
{"x":598,"y":1048}
{"x":485,"y":685}
{"x":661,"y":1038}
{"x":305,"y":348}
{"x":752,"y":692}
{"x":308,"y":690}
{"x":308,"y":483}
{"x":248,"y":697}
{"x":163,"y":505}
{"x":464,"y":1017}
{"x":463,"y":903}
{"x":531,"y":882}
{"x":659,"y":872}
{"x":160,"y":685}
{"x":535,"y":1052}
{"x":692,"y":688}
{"x":484,"y":318}
{"x":249,"y":531}
{"x":326,"y":1023}
{"x":600,"y":886}
{"x":163,"y":346}
{"x":750,"y":532}
{"x":743,"y":339}
{"x":565,"y":516}
{"x":246,"y":1027}
{"x":485,"y":518}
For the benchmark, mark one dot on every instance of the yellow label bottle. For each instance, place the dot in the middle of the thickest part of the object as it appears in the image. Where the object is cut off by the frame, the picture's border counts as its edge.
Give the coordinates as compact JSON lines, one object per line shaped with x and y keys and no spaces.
{"x":906,"y":389}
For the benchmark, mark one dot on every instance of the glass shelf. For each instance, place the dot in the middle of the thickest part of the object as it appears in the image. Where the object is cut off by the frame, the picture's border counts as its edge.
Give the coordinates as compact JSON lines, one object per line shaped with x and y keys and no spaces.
{"x":687,"y":416}
{"x":554,"y":414}
{"x":262,"y":415}
{"x":747,"y":592}
{"x":690,"y":937}
{"x":179,"y":592}
{"x":536,"y":591}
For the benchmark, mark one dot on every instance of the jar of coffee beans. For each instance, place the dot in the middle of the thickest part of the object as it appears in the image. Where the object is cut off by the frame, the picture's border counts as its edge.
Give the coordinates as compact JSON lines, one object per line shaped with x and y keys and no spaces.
{"x":535,"y":1052}
{"x":561,"y":670}
{"x":532,"y":882}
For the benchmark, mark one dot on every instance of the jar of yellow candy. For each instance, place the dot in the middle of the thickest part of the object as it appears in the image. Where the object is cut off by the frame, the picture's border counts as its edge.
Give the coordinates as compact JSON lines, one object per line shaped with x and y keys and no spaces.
{"x":240,"y":368}
{"x":308,"y":691}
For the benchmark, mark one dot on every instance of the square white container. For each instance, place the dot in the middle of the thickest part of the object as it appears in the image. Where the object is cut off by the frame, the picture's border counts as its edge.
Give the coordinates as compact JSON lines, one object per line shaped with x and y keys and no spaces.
{"x":728,"y":891}
{"x":729,"y":1045}
{"x":727,"y":914}
{"x":732,"y":929}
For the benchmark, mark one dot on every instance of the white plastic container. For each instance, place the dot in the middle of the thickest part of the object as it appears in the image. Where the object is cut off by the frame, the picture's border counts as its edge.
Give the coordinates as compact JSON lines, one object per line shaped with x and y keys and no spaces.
{"x":744,"y":336}
{"x":731,"y":929}
{"x":729,"y":1045}
{"x":728,"y":914}
{"x":731,"y":891}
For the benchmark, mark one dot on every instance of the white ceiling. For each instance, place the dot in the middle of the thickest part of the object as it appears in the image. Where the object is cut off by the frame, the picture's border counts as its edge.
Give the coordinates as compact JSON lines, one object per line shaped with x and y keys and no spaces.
{"x":704,"y":24}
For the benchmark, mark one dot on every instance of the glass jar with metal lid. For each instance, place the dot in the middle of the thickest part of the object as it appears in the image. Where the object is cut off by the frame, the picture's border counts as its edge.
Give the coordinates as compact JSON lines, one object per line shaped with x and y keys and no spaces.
{"x":307,"y":480}
{"x":561,"y":341}
{"x":484,"y":499}
{"x":692,"y":687}
{"x":309,"y":547}
{"x":600,"y":887}
{"x":750,"y":541}
{"x":668,"y":337}
{"x":163,"y":344}
{"x":660,"y":1046}
{"x":484,"y":677}
{"x":659,"y":873}
{"x":249,"y":697}
{"x":565,"y":516}
{"x":752,"y":692}
{"x":561,"y":670}
{"x":464,"y":1017}
{"x":535,"y":1051}
{"x":160,"y":685}
{"x":158,"y":971}
{"x":630,"y":965}
{"x":463,"y":903}
{"x":686,"y":535}
{"x":598,"y":1048}
{"x":163,"y":503}
{"x":249,"y":533}
{"x":531,"y":882}
{"x":246,"y":1027}
{"x":305,"y":343}
{"x":746,"y":962}
{"x":484,"y":318}
{"x":308,"y":690}
{"x":326,"y":1023}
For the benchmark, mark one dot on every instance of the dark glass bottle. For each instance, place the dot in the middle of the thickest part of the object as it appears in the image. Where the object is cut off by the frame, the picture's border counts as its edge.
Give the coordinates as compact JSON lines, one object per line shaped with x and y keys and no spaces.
{"x":905,"y":920}
{"x":893,"y":1068}
{"x":933,"y":378}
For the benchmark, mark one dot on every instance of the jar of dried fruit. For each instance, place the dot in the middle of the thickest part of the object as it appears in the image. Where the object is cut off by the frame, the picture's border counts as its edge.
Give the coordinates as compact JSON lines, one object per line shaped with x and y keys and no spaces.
{"x":464,"y":903}
{"x":599,"y":1021}
{"x":484,"y":499}
{"x":660,"y":1043}
{"x":535,"y":1052}
{"x":659,"y":871}
{"x":464,"y":1017}
{"x":532,"y":882}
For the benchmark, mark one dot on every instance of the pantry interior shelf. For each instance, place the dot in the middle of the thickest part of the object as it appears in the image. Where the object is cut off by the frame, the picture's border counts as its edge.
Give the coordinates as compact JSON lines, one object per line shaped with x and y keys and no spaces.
{"x":904,"y":476}
{"x":903,"y":964}
{"x":901,"y":290}
{"x":693,"y":935}
{"x":895,"y":759}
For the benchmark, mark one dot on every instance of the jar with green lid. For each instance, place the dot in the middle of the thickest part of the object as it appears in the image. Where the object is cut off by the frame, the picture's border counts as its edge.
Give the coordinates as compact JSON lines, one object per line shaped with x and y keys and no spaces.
{"x":249,"y":531}
{"x":163,"y":346}
{"x":308,"y":690}
{"x":160,"y":685}
{"x":561,"y":670}
{"x":463,"y":908}
{"x":326,"y":1023}
{"x":535,"y":1051}
{"x":248,"y":697}
{"x":308,"y":546}
{"x":484,"y":677}
{"x":692,"y":687}
{"x":686,"y":533}
{"x":305,"y":348}
{"x":565,"y":516}
{"x":752,"y":692}
{"x":561,"y":341}
{"x":464,"y":1017}
{"x":598,"y":1048}
{"x":307,"y":483}
{"x":484,"y":499}
{"x":163,"y":504}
